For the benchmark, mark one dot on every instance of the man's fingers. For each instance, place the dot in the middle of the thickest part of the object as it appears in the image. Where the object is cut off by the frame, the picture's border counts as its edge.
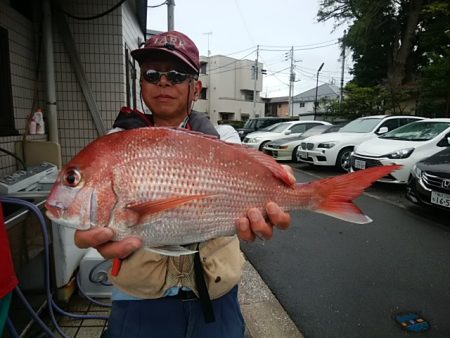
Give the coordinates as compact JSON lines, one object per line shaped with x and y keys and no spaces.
{"x":258,"y":224}
{"x":277,"y":216}
{"x":244,"y":231}
{"x":93,"y":237}
{"x":120,"y":249}
{"x":101,"y":239}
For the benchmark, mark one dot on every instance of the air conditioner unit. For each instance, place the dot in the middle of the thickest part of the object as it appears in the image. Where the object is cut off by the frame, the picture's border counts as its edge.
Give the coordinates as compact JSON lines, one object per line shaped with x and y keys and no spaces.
{"x":93,"y":275}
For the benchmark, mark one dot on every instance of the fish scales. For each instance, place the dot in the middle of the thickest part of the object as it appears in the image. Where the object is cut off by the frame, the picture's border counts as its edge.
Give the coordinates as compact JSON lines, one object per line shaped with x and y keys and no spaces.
{"x":174,"y":187}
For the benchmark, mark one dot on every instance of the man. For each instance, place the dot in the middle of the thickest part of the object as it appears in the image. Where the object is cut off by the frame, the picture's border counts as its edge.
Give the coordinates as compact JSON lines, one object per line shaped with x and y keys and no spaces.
{"x":161,"y":296}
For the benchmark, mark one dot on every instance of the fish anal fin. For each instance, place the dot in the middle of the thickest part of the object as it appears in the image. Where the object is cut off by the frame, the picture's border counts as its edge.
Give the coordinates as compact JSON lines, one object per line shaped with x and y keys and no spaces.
{"x":171,"y":250}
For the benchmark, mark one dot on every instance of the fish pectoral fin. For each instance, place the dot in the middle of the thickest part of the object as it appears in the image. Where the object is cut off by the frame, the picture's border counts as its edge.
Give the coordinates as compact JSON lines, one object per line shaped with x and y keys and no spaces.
{"x":171,"y":250}
{"x":156,"y":206}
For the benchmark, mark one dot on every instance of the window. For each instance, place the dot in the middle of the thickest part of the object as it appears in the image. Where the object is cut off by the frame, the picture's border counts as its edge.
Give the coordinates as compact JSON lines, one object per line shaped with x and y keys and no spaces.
{"x":247,"y":95}
{"x":299,"y":128}
{"x":7,"y":127}
{"x":204,"y":94}
{"x":390,"y":124}
{"x":130,"y":70}
{"x":203,"y":67}
{"x":301,"y":104}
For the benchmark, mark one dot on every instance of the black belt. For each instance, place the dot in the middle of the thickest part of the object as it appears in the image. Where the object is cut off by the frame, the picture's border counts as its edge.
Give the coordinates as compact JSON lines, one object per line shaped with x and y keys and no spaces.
{"x":184,"y":295}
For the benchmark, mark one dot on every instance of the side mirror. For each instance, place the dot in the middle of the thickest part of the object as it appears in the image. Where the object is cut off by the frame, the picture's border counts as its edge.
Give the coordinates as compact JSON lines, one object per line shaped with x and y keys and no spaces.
{"x":287,"y":132}
{"x":382,"y":130}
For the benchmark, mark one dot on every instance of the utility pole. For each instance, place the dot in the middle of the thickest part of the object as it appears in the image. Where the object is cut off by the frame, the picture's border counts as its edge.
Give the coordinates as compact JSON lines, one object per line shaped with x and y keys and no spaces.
{"x":209,"y":81}
{"x":291,"y":83}
{"x":170,"y":15}
{"x":255,"y":73}
{"x":341,"y":94}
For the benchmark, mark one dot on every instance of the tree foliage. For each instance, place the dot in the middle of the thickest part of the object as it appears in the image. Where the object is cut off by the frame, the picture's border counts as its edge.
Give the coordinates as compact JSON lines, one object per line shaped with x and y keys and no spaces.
{"x":397,"y":44}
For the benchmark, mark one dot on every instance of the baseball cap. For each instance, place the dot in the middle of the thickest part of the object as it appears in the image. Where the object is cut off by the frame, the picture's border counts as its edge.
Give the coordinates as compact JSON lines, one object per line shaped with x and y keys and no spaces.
{"x":174,"y":43}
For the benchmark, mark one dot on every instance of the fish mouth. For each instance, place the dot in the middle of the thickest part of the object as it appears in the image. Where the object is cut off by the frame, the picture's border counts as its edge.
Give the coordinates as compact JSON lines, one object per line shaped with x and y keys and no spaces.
{"x":57,"y":214}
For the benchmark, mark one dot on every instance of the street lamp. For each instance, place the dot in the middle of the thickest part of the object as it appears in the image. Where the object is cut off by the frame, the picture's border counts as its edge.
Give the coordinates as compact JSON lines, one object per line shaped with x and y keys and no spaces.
{"x":317,"y":85}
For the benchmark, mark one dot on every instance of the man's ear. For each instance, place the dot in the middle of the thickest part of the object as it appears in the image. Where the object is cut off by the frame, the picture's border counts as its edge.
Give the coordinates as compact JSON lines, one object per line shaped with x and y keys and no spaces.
{"x":197,"y":89}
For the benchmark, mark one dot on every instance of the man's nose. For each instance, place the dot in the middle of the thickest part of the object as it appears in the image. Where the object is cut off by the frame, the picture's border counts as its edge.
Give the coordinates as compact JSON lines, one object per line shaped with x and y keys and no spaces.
{"x":164,"y":80}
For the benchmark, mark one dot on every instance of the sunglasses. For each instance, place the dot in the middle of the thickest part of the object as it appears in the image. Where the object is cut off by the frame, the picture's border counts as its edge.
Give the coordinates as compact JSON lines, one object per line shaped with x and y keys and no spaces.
{"x":153,"y":76}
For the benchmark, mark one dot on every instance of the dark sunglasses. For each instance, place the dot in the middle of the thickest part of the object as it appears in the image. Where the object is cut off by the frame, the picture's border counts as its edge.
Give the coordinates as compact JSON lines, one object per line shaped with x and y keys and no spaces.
{"x":153,"y":76}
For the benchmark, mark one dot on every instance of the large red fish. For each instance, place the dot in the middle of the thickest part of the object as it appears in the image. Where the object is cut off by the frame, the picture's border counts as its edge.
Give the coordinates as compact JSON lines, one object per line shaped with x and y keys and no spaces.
{"x":172,"y":187}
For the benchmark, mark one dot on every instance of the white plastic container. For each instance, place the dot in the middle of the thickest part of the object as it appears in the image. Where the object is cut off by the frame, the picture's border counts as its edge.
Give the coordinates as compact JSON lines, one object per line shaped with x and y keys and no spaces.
{"x":40,"y":124}
{"x":32,"y":127}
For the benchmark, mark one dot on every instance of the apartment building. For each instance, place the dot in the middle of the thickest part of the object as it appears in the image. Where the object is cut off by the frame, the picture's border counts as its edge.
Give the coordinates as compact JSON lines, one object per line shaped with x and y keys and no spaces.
{"x":228,"y":87}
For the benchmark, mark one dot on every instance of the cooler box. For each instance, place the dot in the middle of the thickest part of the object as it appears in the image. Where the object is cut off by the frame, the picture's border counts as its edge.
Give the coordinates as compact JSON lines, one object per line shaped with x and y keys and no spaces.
{"x":93,"y":267}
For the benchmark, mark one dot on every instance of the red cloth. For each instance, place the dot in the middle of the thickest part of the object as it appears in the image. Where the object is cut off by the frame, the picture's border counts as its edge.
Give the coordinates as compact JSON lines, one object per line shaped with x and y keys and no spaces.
{"x":8,"y":279}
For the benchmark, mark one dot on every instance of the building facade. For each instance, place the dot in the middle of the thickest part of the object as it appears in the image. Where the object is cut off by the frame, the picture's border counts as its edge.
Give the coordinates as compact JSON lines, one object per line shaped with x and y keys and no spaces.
{"x":303,"y":103}
{"x":228,"y":87}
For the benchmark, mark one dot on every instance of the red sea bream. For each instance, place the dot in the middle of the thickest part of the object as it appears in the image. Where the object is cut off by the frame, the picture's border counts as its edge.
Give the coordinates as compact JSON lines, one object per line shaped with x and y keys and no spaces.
{"x":172,"y":187}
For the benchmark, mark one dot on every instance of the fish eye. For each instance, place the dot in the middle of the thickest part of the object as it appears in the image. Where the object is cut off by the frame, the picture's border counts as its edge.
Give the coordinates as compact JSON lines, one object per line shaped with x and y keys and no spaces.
{"x":72,"y":177}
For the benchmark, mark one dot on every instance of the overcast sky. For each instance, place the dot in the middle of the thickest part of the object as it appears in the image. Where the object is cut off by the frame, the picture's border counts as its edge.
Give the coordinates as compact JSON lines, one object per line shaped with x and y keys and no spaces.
{"x":238,"y":26}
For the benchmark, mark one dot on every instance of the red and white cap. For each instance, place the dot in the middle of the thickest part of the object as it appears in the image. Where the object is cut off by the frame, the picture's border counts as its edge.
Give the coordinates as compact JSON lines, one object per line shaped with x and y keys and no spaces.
{"x":174,"y":43}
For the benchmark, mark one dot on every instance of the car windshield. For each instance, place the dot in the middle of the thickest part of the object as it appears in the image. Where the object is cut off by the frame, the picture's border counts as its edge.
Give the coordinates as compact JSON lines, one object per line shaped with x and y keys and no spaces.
{"x":250,"y":124}
{"x":314,"y":131}
{"x":417,"y":131}
{"x":361,"y":125}
{"x":280,"y":127}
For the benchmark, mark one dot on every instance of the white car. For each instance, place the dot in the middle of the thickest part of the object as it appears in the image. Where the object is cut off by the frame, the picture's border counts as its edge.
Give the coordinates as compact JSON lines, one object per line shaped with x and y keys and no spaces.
{"x":406,"y":146}
{"x":285,"y":149}
{"x":334,"y":149}
{"x":292,"y":128}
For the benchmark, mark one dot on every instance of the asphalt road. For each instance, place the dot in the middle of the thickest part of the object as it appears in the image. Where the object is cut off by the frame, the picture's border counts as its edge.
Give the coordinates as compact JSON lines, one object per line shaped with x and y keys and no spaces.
{"x":337,"y":279}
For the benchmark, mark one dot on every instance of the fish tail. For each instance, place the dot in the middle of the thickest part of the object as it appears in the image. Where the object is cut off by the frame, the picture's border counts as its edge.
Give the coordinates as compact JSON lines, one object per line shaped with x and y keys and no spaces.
{"x":333,"y":196}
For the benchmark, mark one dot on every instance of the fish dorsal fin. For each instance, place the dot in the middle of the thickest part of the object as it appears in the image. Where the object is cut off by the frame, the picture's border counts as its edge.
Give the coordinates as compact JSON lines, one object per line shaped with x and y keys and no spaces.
{"x":196,"y":133}
{"x":267,"y":161}
{"x":156,"y":206}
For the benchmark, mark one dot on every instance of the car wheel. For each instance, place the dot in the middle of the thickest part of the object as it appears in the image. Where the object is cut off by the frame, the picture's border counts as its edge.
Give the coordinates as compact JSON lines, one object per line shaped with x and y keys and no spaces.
{"x":294,"y":155}
{"x":262,"y":145}
{"x":343,"y":159}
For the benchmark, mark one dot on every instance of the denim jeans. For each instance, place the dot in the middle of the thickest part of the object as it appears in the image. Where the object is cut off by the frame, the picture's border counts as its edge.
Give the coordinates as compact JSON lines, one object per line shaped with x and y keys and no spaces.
{"x":170,"y":317}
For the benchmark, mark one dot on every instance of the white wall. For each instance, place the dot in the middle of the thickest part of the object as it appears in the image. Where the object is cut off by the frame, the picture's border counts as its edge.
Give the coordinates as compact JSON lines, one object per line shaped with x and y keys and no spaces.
{"x":226,"y":79}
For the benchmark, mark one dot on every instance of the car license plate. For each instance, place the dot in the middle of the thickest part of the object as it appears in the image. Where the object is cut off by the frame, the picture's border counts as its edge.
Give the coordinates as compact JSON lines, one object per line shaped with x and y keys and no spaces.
{"x":440,"y":198}
{"x":303,"y":155}
{"x":360,"y":164}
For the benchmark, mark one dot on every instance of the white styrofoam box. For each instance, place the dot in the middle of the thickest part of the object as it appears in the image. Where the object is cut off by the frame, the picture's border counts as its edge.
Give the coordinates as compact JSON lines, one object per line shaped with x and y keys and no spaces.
{"x":66,"y":254}
{"x":93,"y":267}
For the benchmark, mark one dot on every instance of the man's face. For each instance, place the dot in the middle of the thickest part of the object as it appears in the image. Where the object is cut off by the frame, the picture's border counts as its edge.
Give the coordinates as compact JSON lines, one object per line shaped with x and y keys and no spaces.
{"x":166,"y":100}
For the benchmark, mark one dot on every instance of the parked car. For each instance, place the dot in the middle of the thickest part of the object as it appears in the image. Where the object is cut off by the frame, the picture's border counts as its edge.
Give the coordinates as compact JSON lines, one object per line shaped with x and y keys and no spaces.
{"x":259,"y":139}
{"x":406,"y":146}
{"x":334,"y":149}
{"x":285,"y":149}
{"x":429,"y":181}
{"x":257,"y":123}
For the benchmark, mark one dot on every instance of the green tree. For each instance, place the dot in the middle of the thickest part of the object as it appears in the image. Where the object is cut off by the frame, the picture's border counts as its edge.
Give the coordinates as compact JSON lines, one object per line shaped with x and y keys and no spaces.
{"x":394,"y":43}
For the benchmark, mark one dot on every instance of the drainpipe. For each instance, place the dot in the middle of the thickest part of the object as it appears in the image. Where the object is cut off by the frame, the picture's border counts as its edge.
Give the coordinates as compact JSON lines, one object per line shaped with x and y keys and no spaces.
{"x":50,"y":84}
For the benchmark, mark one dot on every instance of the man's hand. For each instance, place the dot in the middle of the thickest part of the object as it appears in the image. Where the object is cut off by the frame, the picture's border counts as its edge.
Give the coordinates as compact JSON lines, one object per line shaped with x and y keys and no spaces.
{"x":254,"y":225}
{"x":101,"y":239}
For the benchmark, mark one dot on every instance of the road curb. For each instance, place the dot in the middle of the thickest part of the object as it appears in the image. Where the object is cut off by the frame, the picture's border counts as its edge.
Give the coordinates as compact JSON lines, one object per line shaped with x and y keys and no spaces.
{"x":264,"y":316}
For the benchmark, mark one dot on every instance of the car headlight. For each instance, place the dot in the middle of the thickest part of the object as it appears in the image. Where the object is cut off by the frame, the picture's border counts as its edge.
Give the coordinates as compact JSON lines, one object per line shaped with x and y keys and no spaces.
{"x":254,"y":139}
{"x":326,"y":145}
{"x":403,"y":153}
